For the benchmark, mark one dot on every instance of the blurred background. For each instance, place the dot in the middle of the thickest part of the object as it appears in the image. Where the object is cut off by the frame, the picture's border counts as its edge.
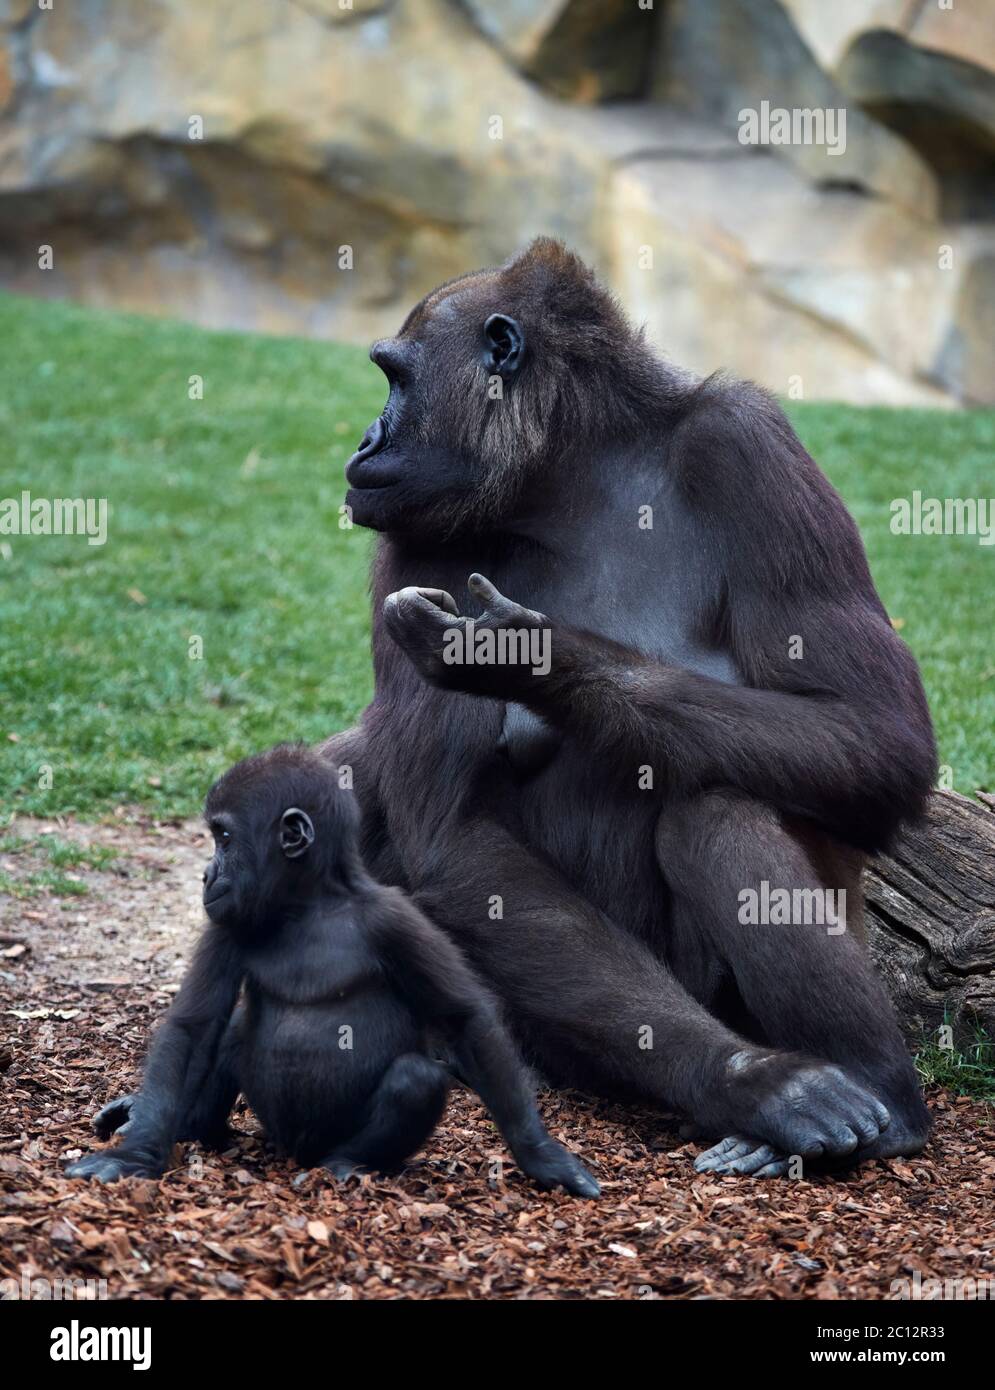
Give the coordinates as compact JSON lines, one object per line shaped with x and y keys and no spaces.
{"x":312,"y":167}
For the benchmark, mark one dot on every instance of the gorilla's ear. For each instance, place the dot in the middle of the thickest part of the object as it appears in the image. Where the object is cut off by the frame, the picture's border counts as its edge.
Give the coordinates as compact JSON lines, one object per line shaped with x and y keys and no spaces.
{"x":296,"y":832}
{"x":505,"y":345}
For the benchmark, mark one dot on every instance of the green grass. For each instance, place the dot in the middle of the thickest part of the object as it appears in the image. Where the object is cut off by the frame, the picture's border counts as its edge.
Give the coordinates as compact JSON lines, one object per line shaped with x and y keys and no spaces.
{"x":968,"y":1070}
{"x":60,"y":854}
{"x":46,"y":881}
{"x":224,"y":526}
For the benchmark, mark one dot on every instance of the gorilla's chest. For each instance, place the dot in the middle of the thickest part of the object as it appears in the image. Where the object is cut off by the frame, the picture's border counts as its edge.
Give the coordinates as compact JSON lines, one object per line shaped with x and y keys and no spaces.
{"x":660,"y":614}
{"x":636,"y":577}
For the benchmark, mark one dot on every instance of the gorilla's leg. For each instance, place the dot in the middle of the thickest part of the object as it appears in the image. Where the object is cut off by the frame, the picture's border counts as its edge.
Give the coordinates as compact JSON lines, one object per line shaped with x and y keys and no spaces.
{"x":807,"y":983}
{"x":403,"y":1112}
{"x":598,"y":1010}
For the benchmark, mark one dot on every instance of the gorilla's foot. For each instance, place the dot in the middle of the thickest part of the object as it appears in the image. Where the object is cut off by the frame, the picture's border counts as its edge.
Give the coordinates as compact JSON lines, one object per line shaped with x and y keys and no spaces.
{"x":743,"y":1157}
{"x":110,"y":1165}
{"x":781,"y":1104}
{"x":740,"y":1155}
{"x":342,"y":1167}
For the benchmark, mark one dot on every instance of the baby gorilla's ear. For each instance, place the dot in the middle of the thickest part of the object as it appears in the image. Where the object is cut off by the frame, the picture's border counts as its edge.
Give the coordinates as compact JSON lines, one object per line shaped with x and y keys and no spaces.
{"x":296,"y":832}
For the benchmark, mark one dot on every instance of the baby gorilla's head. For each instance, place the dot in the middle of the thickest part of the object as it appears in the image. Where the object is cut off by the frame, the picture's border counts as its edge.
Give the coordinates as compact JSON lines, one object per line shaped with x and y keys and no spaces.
{"x":284,"y":830}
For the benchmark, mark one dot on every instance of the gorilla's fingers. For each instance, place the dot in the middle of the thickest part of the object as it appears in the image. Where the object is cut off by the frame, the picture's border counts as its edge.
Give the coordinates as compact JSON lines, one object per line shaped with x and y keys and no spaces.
{"x":485,"y":591}
{"x":441,"y":600}
{"x":881,"y":1113}
{"x":751,"y":1164}
{"x":114,"y":1117}
{"x":499,"y":608}
{"x":724,"y":1152}
{"x":417,"y":622}
{"x":411,"y":603}
{"x":402,"y":601}
{"x":582,"y":1184}
{"x":342,"y":1168}
{"x":551,"y":1165}
{"x":777,"y":1169}
{"x":109,"y":1167}
{"x":743,"y":1158}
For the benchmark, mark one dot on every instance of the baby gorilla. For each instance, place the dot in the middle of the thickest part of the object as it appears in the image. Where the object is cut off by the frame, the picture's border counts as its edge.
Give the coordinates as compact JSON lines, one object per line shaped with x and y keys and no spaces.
{"x":346,"y":987}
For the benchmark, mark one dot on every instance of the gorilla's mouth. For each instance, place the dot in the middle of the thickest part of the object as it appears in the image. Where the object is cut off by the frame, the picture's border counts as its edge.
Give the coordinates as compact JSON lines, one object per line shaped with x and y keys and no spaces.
{"x":359,"y":471}
{"x":217,"y":897}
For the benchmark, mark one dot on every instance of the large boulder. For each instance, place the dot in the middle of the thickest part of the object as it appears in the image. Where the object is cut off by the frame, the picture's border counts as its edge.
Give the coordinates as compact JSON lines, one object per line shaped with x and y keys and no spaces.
{"x":584,"y":50}
{"x":720,"y":60}
{"x":217,"y":157}
{"x":817,"y":293}
{"x":925,"y":71}
{"x":296,"y":166}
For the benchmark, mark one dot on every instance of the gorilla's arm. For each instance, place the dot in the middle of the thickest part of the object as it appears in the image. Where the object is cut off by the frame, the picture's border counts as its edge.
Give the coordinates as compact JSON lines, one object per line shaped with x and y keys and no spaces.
{"x":854,"y":766}
{"x":831,"y":722}
{"x":855,"y":763}
{"x":442,"y":990}
{"x":181,"y":1057}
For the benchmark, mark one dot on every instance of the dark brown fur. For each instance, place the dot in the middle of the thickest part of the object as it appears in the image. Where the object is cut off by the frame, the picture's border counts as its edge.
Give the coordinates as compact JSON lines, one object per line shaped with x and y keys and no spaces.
{"x":670,"y":650}
{"x":345,"y":985}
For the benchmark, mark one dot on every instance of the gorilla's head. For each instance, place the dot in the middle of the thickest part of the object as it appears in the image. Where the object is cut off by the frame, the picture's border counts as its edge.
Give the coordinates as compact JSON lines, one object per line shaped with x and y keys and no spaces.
{"x":493,"y":377}
{"x":283,"y":831}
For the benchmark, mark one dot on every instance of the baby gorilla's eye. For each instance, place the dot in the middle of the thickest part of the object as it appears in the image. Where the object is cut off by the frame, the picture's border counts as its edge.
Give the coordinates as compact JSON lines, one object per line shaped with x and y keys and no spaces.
{"x":224,"y":836}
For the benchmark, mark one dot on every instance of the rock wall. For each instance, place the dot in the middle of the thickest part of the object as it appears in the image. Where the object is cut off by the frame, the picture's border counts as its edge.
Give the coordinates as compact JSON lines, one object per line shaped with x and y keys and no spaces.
{"x":313,"y":166}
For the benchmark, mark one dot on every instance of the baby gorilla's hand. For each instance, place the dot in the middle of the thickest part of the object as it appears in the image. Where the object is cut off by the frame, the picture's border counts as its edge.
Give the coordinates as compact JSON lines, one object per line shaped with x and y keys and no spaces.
{"x":115,"y":1117}
{"x":114,"y":1164}
{"x":551,"y":1165}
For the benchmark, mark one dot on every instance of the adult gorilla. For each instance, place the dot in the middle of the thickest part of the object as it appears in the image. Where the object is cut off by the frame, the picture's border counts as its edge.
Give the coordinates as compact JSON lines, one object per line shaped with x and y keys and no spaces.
{"x":727,"y":706}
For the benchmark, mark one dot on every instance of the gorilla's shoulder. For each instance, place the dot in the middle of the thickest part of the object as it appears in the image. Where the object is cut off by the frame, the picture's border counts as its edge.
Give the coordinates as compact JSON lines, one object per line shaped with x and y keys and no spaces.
{"x":733,"y":433}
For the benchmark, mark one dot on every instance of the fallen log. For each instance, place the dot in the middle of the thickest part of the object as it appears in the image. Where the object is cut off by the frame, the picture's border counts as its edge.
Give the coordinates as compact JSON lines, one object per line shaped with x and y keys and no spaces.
{"x":930,"y":919}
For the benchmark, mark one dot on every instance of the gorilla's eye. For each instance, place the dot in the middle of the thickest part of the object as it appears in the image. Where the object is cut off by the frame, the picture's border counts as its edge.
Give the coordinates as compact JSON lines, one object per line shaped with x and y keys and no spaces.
{"x":224,"y":836}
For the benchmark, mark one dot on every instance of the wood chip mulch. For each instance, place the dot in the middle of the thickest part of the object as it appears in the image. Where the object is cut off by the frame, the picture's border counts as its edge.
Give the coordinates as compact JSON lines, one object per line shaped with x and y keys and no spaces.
{"x":96,"y":971}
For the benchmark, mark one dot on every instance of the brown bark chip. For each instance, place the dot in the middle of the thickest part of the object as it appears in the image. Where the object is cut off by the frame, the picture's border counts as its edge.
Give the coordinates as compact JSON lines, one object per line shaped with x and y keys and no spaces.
{"x":98,"y":970}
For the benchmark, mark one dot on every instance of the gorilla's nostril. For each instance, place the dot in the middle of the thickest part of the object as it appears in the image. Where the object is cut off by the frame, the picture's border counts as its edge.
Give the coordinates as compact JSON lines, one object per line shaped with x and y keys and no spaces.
{"x":374,"y":439}
{"x":365,"y":469}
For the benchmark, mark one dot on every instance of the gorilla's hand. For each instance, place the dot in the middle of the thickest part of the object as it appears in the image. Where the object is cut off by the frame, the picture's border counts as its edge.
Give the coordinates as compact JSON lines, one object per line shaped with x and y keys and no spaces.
{"x":116,"y":1117}
{"x":419,"y":620}
{"x":551,"y":1165}
{"x":449,"y":650}
{"x":113,"y":1164}
{"x":132,"y":1159}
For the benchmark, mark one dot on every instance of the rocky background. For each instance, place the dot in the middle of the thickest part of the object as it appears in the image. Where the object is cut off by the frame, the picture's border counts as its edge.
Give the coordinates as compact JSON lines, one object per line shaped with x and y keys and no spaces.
{"x":211,"y":158}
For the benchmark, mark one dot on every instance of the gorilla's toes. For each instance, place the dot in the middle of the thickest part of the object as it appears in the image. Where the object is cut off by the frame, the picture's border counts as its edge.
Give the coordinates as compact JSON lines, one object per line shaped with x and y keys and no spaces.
{"x":341,"y":1167}
{"x":743,"y":1157}
{"x":899,"y":1140}
{"x":818,"y":1111}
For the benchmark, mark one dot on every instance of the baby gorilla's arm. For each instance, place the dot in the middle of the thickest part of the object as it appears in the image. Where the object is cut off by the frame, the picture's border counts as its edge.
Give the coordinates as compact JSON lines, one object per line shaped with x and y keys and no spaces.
{"x":181,"y":1058}
{"x":427,"y":969}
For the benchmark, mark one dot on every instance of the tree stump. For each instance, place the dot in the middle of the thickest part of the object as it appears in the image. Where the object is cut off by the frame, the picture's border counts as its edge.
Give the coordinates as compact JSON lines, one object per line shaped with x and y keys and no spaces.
{"x":930,"y":918}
